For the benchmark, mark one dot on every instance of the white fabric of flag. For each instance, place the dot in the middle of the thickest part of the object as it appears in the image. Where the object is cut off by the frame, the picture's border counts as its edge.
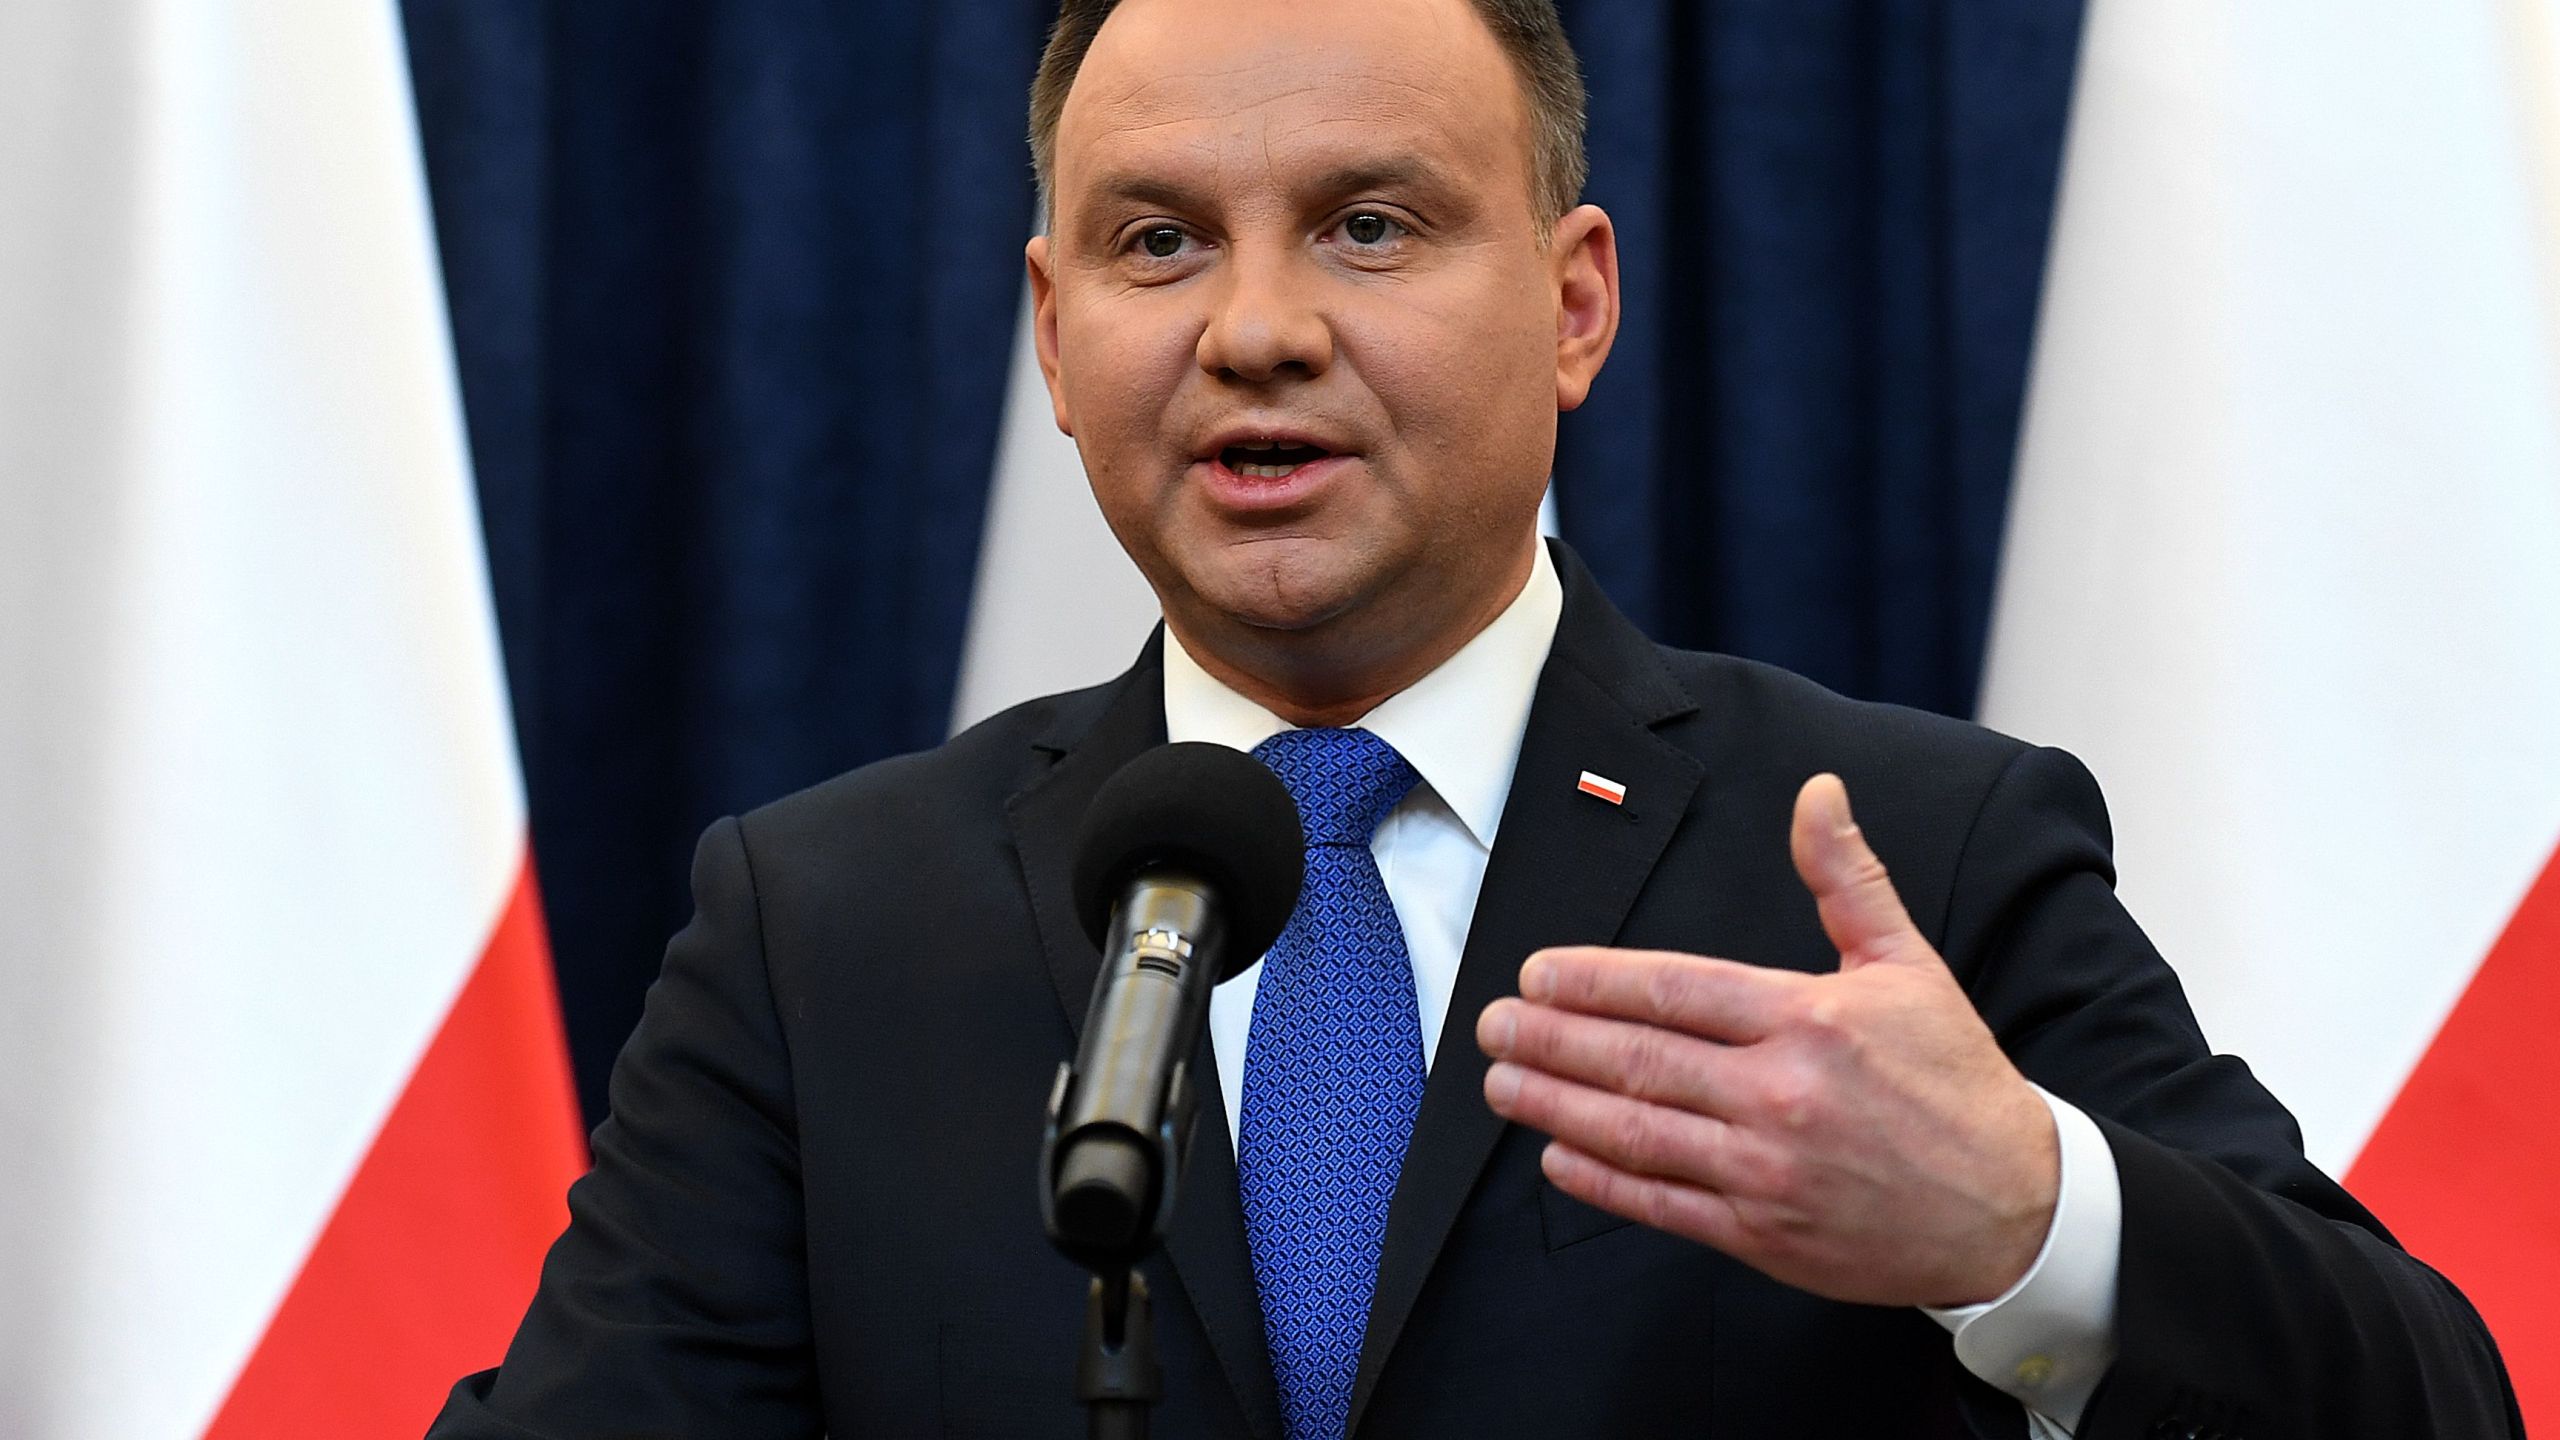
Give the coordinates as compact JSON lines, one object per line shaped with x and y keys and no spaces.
{"x":259,"y":807}
{"x":1058,"y":603}
{"x":2284,"y":554}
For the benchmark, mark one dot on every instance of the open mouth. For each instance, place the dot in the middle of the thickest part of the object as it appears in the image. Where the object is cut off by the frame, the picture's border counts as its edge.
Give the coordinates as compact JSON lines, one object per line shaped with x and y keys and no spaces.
{"x":1269,"y":460}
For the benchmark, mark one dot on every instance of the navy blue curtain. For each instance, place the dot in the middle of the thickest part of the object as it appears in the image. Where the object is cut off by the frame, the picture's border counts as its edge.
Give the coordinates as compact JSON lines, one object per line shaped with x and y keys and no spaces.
{"x":733,"y":287}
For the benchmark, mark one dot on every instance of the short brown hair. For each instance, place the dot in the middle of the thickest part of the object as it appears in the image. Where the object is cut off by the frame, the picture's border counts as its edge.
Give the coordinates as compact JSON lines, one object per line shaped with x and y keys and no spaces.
{"x":1530,"y":33}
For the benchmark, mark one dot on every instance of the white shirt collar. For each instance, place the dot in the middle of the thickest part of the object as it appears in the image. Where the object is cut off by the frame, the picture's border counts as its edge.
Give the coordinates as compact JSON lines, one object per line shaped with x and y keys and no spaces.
{"x":1459,"y":726}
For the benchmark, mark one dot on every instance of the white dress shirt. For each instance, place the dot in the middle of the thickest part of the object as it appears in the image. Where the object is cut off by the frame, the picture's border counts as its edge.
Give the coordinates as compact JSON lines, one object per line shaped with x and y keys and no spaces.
{"x":2046,"y":1342}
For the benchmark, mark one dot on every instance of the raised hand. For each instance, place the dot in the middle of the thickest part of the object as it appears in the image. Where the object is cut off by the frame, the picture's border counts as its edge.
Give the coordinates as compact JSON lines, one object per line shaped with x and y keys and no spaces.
{"x":1857,"y":1134}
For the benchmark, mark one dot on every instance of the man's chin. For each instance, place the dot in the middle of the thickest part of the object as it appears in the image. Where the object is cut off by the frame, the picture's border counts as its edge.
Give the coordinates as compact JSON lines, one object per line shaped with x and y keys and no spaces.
{"x":1283,"y":585}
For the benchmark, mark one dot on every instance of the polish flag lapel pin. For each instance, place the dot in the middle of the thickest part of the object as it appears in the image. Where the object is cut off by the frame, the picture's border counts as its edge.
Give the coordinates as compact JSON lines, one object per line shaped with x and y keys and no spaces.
{"x":1604,"y":787}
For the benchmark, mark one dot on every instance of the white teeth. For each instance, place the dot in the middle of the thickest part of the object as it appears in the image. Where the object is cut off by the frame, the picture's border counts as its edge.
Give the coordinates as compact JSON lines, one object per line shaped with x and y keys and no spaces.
{"x":1259,"y":445}
{"x":1266,"y":472}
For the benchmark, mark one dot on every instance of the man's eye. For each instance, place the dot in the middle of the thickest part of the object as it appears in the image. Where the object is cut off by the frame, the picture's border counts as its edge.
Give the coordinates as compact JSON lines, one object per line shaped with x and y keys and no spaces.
{"x":1369,"y":228}
{"x":1161,"y":243}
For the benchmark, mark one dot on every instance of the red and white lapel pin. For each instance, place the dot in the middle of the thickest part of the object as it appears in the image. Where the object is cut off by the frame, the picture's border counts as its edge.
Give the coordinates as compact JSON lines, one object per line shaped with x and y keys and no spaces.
{"x":1604,"y":787}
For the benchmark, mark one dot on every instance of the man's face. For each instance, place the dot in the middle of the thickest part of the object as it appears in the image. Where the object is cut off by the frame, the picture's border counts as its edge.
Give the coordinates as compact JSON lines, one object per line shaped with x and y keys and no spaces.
{"x":1295,"y":309}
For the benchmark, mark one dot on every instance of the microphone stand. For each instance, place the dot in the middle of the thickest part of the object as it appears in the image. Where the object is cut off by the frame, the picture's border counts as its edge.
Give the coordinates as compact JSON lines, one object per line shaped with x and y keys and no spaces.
{"x":1118,"y":1379}
{"x":1117,"y":1376}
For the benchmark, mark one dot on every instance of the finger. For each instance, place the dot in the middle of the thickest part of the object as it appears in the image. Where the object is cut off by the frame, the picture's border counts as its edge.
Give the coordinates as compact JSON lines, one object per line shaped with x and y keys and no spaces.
{"x":1860,"y":910}
{"x":1700,"y":1215}
{"x":1634,"y":1135}
{"x":1643,"y":1062}
{"x":1713,"y":999}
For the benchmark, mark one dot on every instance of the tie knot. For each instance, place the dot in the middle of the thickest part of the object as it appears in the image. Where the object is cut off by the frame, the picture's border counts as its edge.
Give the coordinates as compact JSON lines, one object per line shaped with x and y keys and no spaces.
{"x":1345,"y":781}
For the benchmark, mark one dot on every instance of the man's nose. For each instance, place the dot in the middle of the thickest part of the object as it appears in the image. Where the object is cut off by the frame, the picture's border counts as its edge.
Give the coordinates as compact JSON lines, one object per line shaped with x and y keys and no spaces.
{"x":1264,"y":323}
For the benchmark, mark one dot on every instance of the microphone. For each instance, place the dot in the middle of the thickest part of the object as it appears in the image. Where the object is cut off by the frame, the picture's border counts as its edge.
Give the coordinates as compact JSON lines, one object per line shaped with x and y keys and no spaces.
{"x":1187,"y":867}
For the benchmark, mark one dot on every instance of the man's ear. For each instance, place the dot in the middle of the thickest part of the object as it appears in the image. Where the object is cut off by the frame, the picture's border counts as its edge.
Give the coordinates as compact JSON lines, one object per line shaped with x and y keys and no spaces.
{"x":1584,"y":254}
{"x":1044,"y":326}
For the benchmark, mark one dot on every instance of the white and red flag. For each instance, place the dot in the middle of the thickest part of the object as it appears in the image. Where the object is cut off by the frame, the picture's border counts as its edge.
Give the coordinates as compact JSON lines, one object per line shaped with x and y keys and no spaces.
{"x":2284,"y":567}
{"x":285,"y":1114}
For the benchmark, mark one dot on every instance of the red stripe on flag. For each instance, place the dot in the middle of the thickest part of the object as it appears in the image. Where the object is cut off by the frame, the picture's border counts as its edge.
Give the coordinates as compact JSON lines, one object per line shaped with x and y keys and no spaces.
{"x":422,"y":1273}
{"x":2465,"y":1167}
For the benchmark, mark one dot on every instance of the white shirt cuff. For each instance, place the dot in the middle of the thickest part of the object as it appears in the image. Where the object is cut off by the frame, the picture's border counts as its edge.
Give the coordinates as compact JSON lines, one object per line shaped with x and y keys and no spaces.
{"x":2049,"y":1340}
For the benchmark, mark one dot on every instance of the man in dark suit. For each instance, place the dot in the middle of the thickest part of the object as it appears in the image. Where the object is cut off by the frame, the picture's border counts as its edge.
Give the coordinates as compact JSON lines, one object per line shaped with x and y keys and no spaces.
{"x":1938,"y":1152}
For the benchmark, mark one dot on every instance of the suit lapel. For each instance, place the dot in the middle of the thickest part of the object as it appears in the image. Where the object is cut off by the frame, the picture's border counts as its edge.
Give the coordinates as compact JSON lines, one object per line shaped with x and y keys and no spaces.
{"x":1565,"y":869}
{"x":1207,"y":1248}
{"x":1206,"y":1244}
{"x":1090,"y":743}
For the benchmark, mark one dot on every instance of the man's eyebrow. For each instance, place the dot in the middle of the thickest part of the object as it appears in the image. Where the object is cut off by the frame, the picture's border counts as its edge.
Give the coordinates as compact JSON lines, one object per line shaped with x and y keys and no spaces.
{"x":1392,"y":173}
{"x":1398,"y":173}
{"x":1144,"y":189}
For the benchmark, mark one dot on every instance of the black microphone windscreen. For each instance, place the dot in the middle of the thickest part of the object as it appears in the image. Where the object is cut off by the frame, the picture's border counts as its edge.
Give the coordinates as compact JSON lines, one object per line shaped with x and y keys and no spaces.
{"x":1217,"y":812}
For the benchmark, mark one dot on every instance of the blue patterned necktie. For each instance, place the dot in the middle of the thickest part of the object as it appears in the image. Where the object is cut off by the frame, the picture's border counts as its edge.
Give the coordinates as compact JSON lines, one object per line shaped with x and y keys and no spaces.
{"x":1332,"y":1078}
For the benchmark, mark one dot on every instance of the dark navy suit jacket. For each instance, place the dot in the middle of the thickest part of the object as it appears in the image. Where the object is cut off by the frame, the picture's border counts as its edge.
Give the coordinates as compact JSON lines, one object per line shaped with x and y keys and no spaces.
{"x":813,"y":1207}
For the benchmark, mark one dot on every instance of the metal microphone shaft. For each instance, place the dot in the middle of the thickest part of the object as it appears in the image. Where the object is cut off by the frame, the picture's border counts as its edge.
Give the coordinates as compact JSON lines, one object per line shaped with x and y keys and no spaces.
{"x":1128,"y":1117}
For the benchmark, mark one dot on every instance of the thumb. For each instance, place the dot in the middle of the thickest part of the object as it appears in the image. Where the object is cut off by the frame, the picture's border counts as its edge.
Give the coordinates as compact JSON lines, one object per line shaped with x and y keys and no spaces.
{"x":1860,"y":911}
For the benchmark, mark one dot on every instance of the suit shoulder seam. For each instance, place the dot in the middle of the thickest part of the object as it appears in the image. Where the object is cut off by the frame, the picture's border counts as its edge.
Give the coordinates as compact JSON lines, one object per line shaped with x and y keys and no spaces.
{"x":764,"y":949}
{"x":1964,"y":847}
